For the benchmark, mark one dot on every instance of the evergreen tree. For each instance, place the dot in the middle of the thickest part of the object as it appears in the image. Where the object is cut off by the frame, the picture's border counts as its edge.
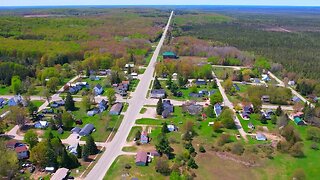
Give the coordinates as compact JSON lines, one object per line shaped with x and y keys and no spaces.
{"x":69,"y":104}
{"x":92,"y":147}
{"x":79,"y":151}
{"x":169,"y":82}
{"x":159,"y":107}
{"x":156,"y":83}
{"x":192,"y":164}
{"x":278,"y":111}
{"x":85,"y":153}
{"x":164,"y":128}
{"x":163,"y":146}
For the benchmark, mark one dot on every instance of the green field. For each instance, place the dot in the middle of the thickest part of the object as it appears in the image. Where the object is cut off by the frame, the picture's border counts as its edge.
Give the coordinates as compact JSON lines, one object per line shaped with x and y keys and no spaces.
{"x":133,"y":131}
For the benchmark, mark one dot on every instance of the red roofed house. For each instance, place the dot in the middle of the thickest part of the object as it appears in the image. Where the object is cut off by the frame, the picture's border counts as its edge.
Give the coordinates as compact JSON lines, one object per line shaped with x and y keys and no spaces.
{"x":22,"y":152}
{"x":11,"y":144}
{"x":141,"y":158}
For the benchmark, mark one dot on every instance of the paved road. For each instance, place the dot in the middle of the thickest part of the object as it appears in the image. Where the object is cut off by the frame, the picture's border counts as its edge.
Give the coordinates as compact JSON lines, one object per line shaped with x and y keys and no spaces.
{"x":113,"y":149}
{"x":228,"y":103}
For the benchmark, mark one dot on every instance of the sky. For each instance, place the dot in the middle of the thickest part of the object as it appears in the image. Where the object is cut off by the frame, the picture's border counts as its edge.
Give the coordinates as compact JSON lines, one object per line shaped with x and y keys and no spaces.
{"x":159,"y":2}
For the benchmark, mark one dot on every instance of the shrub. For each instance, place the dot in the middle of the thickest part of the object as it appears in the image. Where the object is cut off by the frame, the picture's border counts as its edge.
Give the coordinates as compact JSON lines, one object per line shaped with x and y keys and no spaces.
{"x":237,"y":148}
{"x":314,"y":146}
{"x":223,"y":139}
{"x":201,"y":149}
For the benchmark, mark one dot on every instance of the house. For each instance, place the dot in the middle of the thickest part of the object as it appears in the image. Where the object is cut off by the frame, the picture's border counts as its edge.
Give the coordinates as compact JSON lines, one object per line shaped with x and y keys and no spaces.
{"x":103,"y":105}
{"x":296,"y":99}
{"x":98,"y":90}
{"x":171,"y":127}
{"x":196,"y":95}
{"x":250,"y":126}
{"x":248,"y":109}
{"x":200,"y":82}
{"x":265,"y":78}
{"x":116,"y":109}
{"x":22,"y":152}
{"x":144,"y":139}
{"x":86,"y":130}
{"x":165,"y":113}
{"x":261,"y":137}
{"x":204,"y":92}
{"x":192,"y":108}
{"x":94,"y":78}
{"x":169,"y":55}
{"x":236,"y":87}
{"x":265,"y":98}
{"x":41,"y":124}
{"x":168,"y":106}
{"x":16,"y":100}
{"x":56,"y":104}
{"x":12,"y":144}
{"x":266,"y":116}
{"x":269,"y":112}
{"x":217,"y":109}
{"x":141,"y":158}
{"x":47,"y":111}
{"x":75,"y":130}
{"x":158,"y":93}
{"x":2,"y":102}
{"x":245,"y":115}
{"x":60,"y":174}
{"x":122,"y":88}
{"x":93,"y":112}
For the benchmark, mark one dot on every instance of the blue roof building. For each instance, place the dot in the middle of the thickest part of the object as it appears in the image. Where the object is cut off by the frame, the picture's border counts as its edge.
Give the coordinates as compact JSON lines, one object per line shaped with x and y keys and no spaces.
{"x":217,"y":109}
{"x":261,"y":137}
{"x":86,"y":130}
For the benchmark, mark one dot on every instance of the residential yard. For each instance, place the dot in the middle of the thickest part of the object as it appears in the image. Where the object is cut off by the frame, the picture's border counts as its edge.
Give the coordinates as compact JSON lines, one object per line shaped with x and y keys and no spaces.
{"x":103,"y":123}
{"x":38,"y":103}
{"x":222,"y":71}
{"x":133,"y":131}
{"x":256,"y":122}
{"x":118,"y":171}
{"x":129,"y":149}
{"x":5,"y":90}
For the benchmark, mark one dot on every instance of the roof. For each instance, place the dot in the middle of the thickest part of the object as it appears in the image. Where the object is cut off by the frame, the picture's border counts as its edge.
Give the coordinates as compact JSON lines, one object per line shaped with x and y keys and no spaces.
{"x":12,"y":142}
{"x":20,"y":149}
{"x":141,"y":157}
{"x":76,"y":130}
{"x":116,"y":107}
{"x":86,"y":130}
{"x":158,"y":91}
{"x":217,"y":109}
{"x":261,"y":137}
{"x":98,"y":86}
{"x":168,"y":53}
{"x":61,"y":173}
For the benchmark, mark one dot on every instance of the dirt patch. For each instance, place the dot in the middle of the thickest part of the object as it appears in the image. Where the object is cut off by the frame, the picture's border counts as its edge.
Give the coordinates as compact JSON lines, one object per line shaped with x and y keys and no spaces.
{"x":277,"y":29}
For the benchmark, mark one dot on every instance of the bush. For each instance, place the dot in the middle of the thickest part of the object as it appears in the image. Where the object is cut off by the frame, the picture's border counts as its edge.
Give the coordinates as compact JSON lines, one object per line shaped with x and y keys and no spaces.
{"x":162,"y":166}
{"x":313,"y":134}
{"x":314,"y":146}
{"x":201,"y":149}
{"x":223,"y":139}
{"x":237,"y":148}
{"x":297,"y":150}
{"x":299,"y":174}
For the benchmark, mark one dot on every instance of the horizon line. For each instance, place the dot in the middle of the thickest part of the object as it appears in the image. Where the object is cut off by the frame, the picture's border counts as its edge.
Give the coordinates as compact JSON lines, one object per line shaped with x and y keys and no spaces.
{"x":71,"y":5}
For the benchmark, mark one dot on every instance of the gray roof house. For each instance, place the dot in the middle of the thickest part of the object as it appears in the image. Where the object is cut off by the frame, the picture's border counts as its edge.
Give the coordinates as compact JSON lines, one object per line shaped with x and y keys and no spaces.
{"x":116,"y":109}
{"x":192,"y":108}
{"x":86,"y":130}
{"x":157,"y":93}
{"x":98,"y":89}
{"x":141,"y":158}
{"x":217,"y":109}
{"x":76,"y":130}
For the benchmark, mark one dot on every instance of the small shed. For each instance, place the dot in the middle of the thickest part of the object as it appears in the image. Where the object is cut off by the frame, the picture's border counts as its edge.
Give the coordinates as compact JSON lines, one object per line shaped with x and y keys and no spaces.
{"x":141,"y":158}
{"x":144,"y":139}
{"x":169,"y":55}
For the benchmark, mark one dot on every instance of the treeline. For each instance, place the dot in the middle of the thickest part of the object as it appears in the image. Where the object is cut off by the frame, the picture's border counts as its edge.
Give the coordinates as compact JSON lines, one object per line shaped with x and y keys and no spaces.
{"x":10,"y":69}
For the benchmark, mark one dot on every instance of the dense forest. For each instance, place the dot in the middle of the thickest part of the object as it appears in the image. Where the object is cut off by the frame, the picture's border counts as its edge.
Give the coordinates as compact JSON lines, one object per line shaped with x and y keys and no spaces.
{"x":290,"y":37}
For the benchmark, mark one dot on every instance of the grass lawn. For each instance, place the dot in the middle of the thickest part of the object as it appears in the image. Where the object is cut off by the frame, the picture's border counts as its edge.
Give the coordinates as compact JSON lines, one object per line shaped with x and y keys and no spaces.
{"x":103,"y":123}
{"x":125,"y":107}
{"x":257,"y":123}
{"x":133,"y":132}
{"x":129,"y":149}
{"x":5,"y":90}
{"x":117,"y":170}
{"x":143,"y":110}
{"x":222,"y":71}
{"x":149,"y":121}
{"x":55,"y":133}
{"x":38,"y":103}
{"x":141,"y":71}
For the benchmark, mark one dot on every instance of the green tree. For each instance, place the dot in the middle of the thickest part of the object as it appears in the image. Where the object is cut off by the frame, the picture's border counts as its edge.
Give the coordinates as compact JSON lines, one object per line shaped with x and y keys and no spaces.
{"x":92,"y":147}
{"x":156,"y":83}
{"x":45,"y":93}
{"x":159,"y":107}
{"x":69,"y":103}
{"x":32,"y":107}
{"x":228,"y":87}
{"x":256,"y":103}
{"x":86,"y":103}
{"x":278,"y":111}
{"x":43,"y":155}
{"x":17,"y":116}
{"x":138,"y":135}
{"x":163,"y":146}
{"x":8,"y":162}
{"x":192,"y":163}
{"x":67,"y":120}
{"x":16,"y":84}
{"x":52,"y":84}
{"x":274,"y":119}
{"x":111,"y":95}
{"x":164,"y":129}
{"x":31,"y":138}
{"x":79,"y":151}
{"x":85,"y":153}
{"x":226,"y":118}
{"x":162,"y":166}
{"x":216,"y":98}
